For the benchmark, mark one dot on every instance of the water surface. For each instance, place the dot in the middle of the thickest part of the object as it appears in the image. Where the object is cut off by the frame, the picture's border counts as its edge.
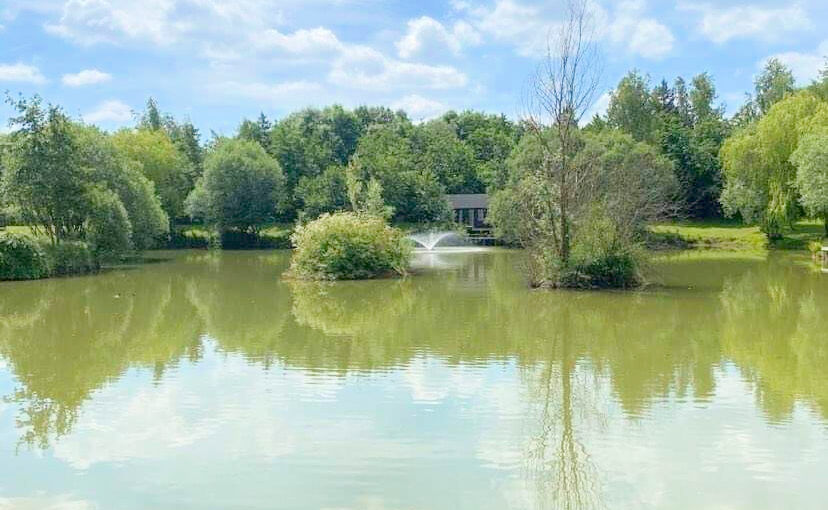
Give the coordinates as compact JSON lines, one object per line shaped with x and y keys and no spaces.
{"x":206,"y":381}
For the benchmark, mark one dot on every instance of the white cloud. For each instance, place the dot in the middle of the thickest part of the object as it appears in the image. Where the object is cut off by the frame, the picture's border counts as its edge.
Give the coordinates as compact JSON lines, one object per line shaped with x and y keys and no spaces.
{"x":94,"y":21}
{"x":21,"y":73}
{"x":112,"y":111}
{"x":85,"y":77}
{"x":365,"y":68}
{"x":428,"y":36}
{"x":749,"y":21}
{"x":528,"y":27}
{"x":805,"y":66}
{"x":524,"y":26}
{"x":314,"y":41}
{"x":641,"y":35}
{"x":420,"y":108}
{"x":293,"y":93}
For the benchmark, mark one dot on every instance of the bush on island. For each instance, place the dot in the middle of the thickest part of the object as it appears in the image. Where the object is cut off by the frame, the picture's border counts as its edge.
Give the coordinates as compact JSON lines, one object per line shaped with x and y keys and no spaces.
{"x":348,"y":246}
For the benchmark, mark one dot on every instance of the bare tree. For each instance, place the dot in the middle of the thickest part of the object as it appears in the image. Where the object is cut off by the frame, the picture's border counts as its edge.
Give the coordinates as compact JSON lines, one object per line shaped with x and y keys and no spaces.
{"x":560,"y":93}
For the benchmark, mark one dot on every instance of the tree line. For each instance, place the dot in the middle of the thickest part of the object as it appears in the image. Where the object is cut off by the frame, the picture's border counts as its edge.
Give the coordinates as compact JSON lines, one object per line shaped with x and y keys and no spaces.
{"x":130,"y":189}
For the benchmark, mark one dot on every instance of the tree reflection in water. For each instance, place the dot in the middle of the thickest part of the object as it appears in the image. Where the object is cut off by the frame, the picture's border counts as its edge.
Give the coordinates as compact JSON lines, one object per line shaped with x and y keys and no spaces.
{"x":578,"y":355}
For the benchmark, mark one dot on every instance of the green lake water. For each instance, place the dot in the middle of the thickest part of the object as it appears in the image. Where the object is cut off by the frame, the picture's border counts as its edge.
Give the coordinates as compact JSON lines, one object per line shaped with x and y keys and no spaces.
{"x":204,"y":381}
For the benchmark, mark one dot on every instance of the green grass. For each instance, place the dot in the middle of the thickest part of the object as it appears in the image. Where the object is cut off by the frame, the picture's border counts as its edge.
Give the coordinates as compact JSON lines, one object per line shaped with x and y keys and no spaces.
{"x":729,"y":235}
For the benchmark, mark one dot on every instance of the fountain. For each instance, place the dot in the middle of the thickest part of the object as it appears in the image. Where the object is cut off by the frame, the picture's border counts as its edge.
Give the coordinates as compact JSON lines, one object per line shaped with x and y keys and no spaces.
{"x":429,"y":240}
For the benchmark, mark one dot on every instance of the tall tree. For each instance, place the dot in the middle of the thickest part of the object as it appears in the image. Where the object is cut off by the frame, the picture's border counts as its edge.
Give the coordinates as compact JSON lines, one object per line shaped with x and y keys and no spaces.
{"x":161,"y":162}
{"x":774,"y":83}
{"x":242,"y":187}
{"x":43,"y":179}
{"x":632,"y":109}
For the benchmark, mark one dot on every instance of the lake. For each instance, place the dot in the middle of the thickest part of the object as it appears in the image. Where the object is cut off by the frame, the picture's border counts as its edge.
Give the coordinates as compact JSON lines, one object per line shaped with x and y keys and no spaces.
{"x":205,"y":381}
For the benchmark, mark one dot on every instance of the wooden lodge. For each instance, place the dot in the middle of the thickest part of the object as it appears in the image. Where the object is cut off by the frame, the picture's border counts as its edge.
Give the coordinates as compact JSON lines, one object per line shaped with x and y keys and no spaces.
{"x":471,"y":210}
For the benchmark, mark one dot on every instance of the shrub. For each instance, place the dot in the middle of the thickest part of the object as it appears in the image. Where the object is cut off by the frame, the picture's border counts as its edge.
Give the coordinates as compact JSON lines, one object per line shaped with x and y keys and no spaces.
{"x":244,"y":240}
{"x":348,"y":246}
{"x":21,"y":258}
{"x":70,"y":257}
{"x":189,"y":239}
{"x":602,"y":256}
{"x":108,"y":229}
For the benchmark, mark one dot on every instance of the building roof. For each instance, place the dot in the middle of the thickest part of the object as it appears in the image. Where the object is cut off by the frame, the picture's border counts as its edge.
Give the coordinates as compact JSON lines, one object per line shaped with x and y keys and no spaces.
{"x":469,"y":201}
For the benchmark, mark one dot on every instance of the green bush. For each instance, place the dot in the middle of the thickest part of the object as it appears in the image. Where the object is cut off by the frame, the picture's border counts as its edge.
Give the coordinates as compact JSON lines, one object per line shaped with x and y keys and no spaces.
{"x":348,"y":246}
{"x":21,"y":258}
{"x":609,"y":271}
{"x":108,"y":229}
{"x":243,"y":240}
{"x":602,"y":257}
{"x":188,"y":239}
{"x":70,"y":257}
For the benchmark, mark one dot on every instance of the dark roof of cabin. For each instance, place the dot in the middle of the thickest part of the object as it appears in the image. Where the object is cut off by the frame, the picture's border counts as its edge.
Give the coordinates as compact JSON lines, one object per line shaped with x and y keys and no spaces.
{"x":469,"y":201}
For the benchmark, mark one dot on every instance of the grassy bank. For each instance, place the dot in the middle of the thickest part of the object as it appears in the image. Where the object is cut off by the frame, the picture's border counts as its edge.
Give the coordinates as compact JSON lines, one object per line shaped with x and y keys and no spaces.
{"x":734,"y":236}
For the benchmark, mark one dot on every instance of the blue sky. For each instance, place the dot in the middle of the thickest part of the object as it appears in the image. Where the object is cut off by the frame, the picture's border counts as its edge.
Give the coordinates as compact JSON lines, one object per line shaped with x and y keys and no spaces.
{"x":216,"y":61}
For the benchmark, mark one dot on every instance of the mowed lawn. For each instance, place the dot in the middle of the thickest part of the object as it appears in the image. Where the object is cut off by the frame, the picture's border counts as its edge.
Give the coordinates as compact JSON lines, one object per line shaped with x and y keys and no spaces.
{"x":729,"y":235}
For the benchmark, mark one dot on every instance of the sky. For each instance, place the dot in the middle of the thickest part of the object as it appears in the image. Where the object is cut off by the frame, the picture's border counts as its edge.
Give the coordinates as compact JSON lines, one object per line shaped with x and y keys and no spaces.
{"x":215,"y":62}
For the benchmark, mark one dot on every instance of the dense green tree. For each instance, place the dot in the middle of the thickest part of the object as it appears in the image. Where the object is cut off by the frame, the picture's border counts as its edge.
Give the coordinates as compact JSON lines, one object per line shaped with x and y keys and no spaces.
{"x":811,"y":161}
{"x":152,"y":118}
{"x":372,"y":115}
{"x":107,"y":226}
{"x":109,"y":169}
{"x":307,"y":142}
{"x":43,"y":179}
{"x":161,"y":162}
{"x":820,"y":85}
{"x":323,"y":193}
{"x":686,"y":124}
{"x":242,"y":187}
{"x":257,"y":131}
{"x":759,"y":175}
{"x":774,"y":83}
{"x":188,"y":140}
{"x":385,"y":153}
{"x":631,"y":108}
{"x":438,"y":150}
{"x":491,"y":139}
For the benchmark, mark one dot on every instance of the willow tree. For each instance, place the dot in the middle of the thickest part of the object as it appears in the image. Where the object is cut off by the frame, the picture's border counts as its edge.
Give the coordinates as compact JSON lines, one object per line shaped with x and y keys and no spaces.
{"x":759,"y":175}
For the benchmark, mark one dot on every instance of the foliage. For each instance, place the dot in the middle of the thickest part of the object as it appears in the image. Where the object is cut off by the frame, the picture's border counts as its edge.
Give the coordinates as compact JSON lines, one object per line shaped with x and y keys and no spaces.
{"x":774,"y":83}
{"x":43,"y":179}
{"x":242,"y":240}
{"x":684,"y":124}
{"x":438,"y":150}
{"x":759,"y":174}
{"x":811,"y":161}
{"x":348,"y":246}
{"x":162,"y":163}
{"x":242,"y":187}
{"x":632,"y":109}
{"x":385,"y":154}
{"x":108,"y":229}
{"x":21,"y":258}
{"x":602,"y":256}
{"x":69,"y":258}
{"x":366,"y":199}
{"x":491,"y":139}
{"x":624,"y":184}
{"x":326,"y":192}
{"x":137,"y":193}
